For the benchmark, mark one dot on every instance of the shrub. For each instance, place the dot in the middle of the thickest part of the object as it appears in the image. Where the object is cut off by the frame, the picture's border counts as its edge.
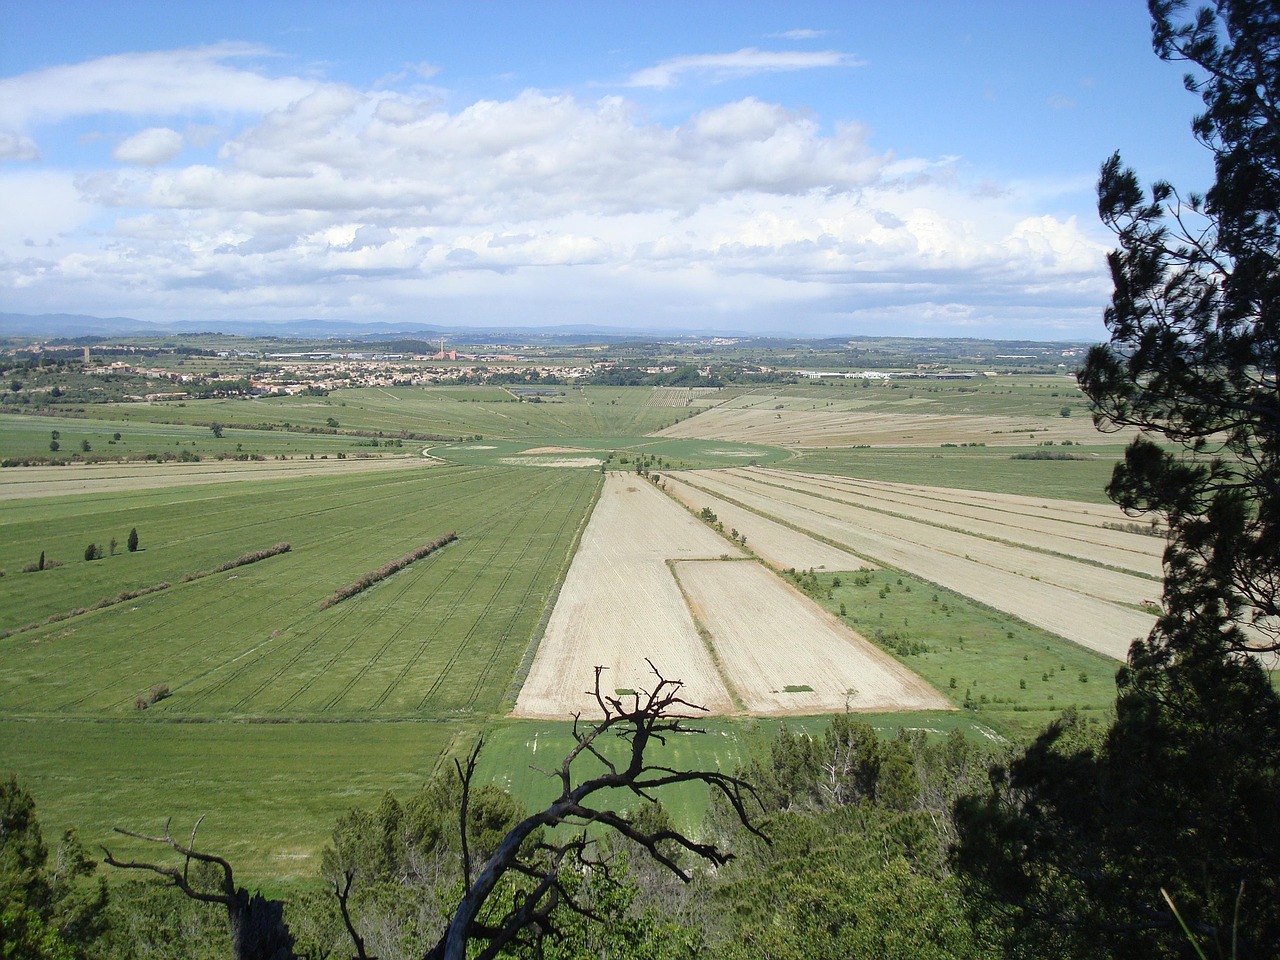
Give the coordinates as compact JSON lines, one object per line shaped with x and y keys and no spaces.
{"x":157,"y":693}
{"x":386,"y":570}
{"x":132,"y":542}
{"x":92,"y":552}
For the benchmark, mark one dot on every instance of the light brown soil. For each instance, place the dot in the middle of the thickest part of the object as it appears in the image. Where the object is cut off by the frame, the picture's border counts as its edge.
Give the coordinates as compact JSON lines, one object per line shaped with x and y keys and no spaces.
{"x":620,"y":604}
{"x":769,"y":636}
{"x":24,"y":482}
{"x":1072,"y":528}
{"x":778,"y":545}
{"x":843,"y":428}
{"x":1076,"y":600}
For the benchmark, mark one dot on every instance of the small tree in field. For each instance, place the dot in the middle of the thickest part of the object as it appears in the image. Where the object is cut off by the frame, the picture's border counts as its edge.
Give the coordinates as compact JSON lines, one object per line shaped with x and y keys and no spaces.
{"x":133,"y":540}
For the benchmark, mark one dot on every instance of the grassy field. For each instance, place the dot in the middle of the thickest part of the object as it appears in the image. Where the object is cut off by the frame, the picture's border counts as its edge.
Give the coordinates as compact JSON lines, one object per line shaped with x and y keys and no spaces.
{"x":281,"y":715}
{"x":270,"y":793}
{"x":1011,"y":675}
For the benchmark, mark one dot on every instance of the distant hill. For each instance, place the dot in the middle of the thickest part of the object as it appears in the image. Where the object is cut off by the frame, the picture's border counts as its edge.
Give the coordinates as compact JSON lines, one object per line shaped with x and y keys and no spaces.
{"x":67,"y":325}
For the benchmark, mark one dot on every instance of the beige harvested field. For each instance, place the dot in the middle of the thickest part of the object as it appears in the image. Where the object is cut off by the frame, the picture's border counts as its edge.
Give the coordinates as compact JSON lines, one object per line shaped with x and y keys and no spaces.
{"x":534,"y":451}
{"x":783,"y":654}
{"x":623,"y":601}
{"x":1054,"y":587}
{"x":620,"y":604}
{"x":844,"y":428}
{"x":23,"y":482}
{"x":1062,"y":526}
{"x":771,"y":541}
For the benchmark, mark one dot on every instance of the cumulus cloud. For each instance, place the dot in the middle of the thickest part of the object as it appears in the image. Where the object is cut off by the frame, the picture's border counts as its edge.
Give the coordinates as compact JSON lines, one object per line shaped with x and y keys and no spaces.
{"x":741,"y":63}
{"x":150,"y":147}
{"x":329,"y":200}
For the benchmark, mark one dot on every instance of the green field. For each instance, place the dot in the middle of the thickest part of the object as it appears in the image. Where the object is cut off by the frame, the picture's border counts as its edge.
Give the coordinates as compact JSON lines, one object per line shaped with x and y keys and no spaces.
{"x":281,"y":715}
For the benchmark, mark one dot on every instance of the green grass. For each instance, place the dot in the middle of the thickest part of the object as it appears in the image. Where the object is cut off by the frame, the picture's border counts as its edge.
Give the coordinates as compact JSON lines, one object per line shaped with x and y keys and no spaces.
{"x":447,"y":411}
{"x":270,"y":793}
{"x":1013,"y":676}
{"x":29,"y":436}
{"x":442,"y":638}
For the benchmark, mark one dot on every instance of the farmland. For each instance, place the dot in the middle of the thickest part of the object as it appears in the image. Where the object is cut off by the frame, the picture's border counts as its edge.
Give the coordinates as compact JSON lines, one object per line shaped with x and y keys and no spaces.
{"x":580,"y":542}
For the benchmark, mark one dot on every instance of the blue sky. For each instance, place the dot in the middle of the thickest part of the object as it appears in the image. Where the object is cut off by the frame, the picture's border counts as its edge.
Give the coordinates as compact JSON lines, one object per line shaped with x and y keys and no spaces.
{"x":909,"y":168}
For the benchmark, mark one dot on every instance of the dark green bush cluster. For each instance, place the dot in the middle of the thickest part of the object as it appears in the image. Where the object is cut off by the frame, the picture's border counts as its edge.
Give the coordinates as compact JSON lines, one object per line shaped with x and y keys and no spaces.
{"x":386,"y":570}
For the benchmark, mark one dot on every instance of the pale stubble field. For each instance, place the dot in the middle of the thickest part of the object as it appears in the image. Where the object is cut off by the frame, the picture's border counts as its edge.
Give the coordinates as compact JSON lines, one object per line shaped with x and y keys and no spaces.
{"x":622,"y":604}
{"x":1056,"y":585}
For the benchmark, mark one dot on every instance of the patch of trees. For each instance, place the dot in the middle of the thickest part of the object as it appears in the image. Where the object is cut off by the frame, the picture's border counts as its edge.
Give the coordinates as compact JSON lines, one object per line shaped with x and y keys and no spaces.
{"x":1046,"y":455}
{"x":386,"y":570}
{"x":626,"y":376}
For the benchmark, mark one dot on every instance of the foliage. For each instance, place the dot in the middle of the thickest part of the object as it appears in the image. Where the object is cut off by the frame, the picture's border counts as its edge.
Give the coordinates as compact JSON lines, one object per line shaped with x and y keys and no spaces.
{"x":49,"y":909}
{"x":386,"y":570}
{"x":1195,"y":332}
{"x":1084,"y":844}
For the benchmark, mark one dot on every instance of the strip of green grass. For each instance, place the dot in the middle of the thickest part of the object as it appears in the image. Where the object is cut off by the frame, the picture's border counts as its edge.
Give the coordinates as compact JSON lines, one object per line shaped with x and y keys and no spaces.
{"x":270,"y":793}
{"x":1009,"y":674}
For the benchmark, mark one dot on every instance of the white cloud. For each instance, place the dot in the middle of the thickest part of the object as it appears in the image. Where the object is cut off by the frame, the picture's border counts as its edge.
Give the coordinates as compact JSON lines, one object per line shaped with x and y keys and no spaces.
{"x":330,"y":199}
{"x":161,"y":82}
{"x":742,"y":63}
{"x":150,"y":147}
{"x":16,"y":146}
{"x":800,"y":34}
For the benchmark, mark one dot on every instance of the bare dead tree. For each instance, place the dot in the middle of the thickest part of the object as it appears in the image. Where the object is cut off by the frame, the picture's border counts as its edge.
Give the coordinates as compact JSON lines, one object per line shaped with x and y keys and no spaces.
{"x":639,"y":720}
{"x":257,"y":926}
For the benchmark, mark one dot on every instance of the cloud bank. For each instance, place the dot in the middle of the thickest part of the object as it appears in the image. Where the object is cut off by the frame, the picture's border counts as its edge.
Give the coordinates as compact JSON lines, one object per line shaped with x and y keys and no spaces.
{"x":241,"y":194}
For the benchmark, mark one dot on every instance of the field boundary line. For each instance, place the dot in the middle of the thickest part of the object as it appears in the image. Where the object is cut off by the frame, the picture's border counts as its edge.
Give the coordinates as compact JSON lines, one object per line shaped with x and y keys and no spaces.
{"x":540,"y":631}
{"x":704,"y":634}
{"x":977,"y":535}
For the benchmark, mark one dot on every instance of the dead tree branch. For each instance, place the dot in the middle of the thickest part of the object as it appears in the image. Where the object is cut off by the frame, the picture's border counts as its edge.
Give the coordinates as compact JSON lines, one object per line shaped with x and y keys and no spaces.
{"x":638,"y":721}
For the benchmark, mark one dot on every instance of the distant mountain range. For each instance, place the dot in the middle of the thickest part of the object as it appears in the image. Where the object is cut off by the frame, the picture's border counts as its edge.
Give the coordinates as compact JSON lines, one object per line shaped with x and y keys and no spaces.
{"x":70,"y":326}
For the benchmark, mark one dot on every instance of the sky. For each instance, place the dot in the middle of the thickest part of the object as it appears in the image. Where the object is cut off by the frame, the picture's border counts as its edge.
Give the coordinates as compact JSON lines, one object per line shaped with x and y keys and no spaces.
{"x":816,"y":169}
